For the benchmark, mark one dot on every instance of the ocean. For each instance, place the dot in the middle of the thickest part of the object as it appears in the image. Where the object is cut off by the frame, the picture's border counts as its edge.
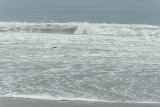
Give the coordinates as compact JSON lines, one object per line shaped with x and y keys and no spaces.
{"x":80,"y":61}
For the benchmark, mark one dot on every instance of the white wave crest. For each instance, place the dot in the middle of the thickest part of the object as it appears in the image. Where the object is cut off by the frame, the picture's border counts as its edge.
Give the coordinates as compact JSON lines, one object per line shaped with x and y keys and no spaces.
{"x":75,"y":28}
{"x":49,"y":97}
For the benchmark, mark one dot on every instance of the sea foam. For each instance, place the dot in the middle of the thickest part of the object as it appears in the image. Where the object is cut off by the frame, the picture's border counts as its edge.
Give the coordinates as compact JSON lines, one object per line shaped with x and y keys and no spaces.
{"x":80,"y":61}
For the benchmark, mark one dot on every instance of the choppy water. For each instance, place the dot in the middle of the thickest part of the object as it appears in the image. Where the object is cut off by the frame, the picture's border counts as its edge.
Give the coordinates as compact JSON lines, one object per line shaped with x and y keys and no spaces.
{"x":80,"y":61}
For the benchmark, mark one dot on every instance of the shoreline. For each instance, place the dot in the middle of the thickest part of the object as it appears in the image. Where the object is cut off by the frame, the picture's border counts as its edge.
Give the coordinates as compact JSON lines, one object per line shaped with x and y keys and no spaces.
{"x":26,"y":102}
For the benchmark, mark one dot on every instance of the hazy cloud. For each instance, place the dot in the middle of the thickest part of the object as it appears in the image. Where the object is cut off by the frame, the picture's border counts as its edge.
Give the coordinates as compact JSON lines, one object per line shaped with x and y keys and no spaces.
{"x":62,"y":10}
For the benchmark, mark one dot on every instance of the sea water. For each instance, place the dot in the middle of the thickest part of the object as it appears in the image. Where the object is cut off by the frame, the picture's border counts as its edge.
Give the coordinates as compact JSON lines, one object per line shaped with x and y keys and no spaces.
{"x":80,"y":61}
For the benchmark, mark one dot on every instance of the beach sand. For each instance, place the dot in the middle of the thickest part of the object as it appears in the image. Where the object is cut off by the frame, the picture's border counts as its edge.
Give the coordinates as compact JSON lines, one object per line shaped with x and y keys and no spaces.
{"x":20,"y":102}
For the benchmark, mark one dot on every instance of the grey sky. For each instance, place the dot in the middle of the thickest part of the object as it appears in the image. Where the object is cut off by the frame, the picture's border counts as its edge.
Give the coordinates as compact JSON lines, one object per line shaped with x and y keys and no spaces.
{"x":116,"y":11}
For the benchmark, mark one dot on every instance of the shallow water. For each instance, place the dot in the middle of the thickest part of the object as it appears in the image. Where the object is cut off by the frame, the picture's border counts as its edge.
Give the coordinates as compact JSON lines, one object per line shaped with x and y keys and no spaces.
{"x":100,"y":62}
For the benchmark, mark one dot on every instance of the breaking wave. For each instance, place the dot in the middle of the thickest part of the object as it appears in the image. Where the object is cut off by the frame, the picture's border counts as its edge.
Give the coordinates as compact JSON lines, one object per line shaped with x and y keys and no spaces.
{"x":49,"y":97}
{"x":75,"y":28}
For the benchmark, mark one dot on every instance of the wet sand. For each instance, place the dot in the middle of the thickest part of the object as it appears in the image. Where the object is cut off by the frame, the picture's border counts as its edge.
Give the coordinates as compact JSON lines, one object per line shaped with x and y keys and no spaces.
{"x":20,"y":102}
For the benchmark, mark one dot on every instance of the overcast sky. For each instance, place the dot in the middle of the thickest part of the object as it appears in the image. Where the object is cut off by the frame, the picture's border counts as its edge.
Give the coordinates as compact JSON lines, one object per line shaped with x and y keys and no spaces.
{"x":115,"y":11}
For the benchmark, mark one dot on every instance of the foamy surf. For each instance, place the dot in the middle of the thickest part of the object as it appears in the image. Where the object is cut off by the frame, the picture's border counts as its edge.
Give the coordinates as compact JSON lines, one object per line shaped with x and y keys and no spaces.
{"x":93,"y":61}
